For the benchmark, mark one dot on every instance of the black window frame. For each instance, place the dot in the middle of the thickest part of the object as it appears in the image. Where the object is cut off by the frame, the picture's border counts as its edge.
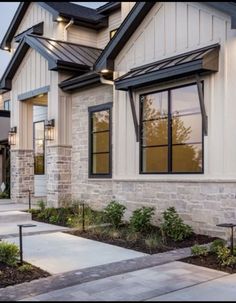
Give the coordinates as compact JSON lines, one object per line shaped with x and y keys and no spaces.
{"x":91,"y":110}
{"x":8,"y":103}
{"x":43,"y":147}
{"x":169,"y":164}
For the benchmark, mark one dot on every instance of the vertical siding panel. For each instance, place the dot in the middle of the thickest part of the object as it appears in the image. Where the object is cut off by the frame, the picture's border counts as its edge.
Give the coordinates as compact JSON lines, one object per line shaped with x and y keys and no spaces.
{"x":205,"y":27}
{"x":170,"y":26}
{"x":159,"y":32}
{"x":149,"y":41}
{"x":193,"y":26}
{"x":181,"y":26}
{"x":139,"y":49}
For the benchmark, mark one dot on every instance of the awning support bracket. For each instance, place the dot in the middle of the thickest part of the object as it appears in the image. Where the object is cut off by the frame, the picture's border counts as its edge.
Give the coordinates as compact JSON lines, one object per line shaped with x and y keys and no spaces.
{"x":202,"y":105}
{"x":135,"y":119}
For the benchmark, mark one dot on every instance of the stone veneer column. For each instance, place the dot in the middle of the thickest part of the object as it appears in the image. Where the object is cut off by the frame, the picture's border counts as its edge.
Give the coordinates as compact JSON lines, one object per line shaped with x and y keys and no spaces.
{"x":58,"y":175}
{"x":22,"y":174}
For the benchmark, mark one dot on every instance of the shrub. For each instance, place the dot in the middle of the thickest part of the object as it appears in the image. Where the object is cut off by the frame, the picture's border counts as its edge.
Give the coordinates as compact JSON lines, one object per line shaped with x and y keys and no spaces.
{"x":9,"y":253}
{"x":216,"y":244}
{"x":199,"y":251}
{"x":153,"y":241}
{"x":224,"y":257}
{"x":42,"y":205}
{"x":141,"y":218}
{"x":114,"y":213}
{"x":4,"y":195}
{"x":25,"y":268}
{"x":174,"y":227}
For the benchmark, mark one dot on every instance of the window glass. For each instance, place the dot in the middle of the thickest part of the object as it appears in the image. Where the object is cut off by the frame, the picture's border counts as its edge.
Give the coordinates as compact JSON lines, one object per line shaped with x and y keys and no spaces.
{"x":171,"y":131}
{"x":39,"y":147}
{"x":7,"y":105}
{"x":101,"y":163}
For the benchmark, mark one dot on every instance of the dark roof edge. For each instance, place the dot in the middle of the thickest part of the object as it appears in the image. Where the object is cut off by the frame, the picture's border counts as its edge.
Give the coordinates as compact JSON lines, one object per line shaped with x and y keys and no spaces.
{"x":109,"y":7}
{"x":80,"y":81}
{"x":127,"y":28}
{"x":14,"y":24}
{"x":5,"y":113}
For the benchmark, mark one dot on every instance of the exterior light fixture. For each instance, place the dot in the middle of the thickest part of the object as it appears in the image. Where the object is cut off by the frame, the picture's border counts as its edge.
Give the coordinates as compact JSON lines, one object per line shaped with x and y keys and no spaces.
{"x":105,"y":71}
{"x":59,"y":19}
{"x":6,"y":48}
{"x":12,"y":136}
{"x":49,"y":129}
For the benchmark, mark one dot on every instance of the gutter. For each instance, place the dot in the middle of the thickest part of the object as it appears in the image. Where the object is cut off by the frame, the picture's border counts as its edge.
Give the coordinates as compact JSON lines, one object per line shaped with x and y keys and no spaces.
{"x":66,"y":27}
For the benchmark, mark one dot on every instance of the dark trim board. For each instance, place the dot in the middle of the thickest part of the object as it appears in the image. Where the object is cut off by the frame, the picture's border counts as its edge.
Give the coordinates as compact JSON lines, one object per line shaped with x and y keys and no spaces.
{"x":5,"y":113}
{"x":80,"y":82}
{"x":33,"y":93}
{"x":35,"y":29}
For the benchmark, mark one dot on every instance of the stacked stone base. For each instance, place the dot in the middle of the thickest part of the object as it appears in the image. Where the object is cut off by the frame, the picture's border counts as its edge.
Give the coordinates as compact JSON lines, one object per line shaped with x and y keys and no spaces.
{"x":200,"y":204}
{"x":22,"y":175}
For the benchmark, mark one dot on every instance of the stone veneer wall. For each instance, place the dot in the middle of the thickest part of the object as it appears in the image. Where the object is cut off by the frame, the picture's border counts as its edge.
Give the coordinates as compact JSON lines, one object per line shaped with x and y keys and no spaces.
{"x":22,"y":174}
{"x":58,"y":175}
{"x":202,"y":204}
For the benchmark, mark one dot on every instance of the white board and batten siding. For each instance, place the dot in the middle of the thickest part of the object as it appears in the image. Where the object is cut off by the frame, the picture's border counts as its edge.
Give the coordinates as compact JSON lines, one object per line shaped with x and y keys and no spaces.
{"x":169,"y":29}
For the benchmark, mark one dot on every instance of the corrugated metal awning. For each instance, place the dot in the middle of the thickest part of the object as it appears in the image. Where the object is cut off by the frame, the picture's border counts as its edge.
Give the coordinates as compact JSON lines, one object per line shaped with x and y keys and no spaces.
{"x":199,"y":61}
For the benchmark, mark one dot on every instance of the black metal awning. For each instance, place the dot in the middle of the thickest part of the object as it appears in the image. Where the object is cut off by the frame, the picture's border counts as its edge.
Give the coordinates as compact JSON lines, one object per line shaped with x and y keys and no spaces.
{"x":200,"y":61}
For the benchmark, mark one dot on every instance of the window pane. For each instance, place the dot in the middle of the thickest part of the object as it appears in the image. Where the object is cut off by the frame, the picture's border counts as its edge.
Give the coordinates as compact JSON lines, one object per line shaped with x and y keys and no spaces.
{"x":187,"y":129}
{"x":187,"y":158}
{"x":185,"y":100}
{"x":100,"y":164}
{"x":100,"y":121}
{"x":39,"y":130}
{"x":155,"y":159}
{"x":155,"y":106}
{"x":39,"y":165}
{"x":101,"y":142}
{"x":155,"y":132}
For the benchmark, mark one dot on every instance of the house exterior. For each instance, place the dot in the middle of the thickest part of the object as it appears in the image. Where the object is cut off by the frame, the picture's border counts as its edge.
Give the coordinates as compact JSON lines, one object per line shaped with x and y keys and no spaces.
{"x":131,"y":101}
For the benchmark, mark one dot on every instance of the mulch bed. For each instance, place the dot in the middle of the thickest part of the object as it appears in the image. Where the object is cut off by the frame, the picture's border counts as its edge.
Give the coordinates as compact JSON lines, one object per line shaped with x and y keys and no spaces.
{"x":209,"y":261}
{"x":139,"y":244}
{"x":11,"y":275}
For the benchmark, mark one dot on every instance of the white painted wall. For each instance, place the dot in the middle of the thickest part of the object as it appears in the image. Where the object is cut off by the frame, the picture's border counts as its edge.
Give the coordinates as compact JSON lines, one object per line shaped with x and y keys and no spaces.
{"x":169,"y":29}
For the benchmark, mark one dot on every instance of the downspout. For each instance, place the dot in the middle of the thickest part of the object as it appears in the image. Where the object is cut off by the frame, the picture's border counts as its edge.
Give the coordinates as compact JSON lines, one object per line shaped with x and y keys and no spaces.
{"x":105,"y":81}
{"x":66,"y":27}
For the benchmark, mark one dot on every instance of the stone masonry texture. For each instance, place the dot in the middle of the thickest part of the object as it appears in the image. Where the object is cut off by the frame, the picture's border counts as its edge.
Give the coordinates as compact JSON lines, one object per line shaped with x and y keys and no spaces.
{"x":202,"y":204}
{"x":22,"y":174}
{"x":58,"y":175}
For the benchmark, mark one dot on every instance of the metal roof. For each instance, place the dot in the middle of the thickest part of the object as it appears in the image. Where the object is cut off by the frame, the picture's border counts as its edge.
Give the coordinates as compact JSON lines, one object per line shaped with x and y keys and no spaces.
{"x":60,"y":55}
{"x":198,"y":61}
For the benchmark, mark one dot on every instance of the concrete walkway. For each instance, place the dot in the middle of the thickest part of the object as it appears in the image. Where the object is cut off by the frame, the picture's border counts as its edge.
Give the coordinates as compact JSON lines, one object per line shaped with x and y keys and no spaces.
{"x":141,"y":285}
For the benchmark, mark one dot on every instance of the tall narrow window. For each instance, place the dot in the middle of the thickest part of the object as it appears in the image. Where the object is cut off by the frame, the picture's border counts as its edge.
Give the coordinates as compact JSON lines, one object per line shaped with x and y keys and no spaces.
{"x":39,"y":147}
{"x":100,"y":141}
{"x":7,"y":105}
{"x":171,"y":131}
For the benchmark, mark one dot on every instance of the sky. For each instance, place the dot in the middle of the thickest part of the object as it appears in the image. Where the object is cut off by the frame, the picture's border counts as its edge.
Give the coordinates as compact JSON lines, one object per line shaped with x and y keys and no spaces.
{"x":7,"y":11}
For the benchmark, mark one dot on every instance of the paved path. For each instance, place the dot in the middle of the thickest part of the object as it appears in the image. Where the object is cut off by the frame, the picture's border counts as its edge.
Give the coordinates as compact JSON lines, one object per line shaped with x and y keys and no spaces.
{"x":139,"y":285}
{"x":60,"y":252}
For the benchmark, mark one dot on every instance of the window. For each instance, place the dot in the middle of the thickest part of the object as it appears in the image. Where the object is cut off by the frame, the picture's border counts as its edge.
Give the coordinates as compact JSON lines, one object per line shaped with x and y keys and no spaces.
{"x":7,"y":105}
{"x":100,"y":141}
{"x":39,"y":147}
{"x":171,"y":131}
{"x":112,"y":33}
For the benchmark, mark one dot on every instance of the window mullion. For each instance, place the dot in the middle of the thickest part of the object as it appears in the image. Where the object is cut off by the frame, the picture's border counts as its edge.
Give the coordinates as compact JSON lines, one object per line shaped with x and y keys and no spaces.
{"x":169,"y":133}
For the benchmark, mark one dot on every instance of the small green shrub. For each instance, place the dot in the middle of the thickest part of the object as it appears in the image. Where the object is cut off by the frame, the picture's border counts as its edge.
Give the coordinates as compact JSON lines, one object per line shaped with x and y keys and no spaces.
{"x":25,"y":268}
{"x":199,"y":251}
{"x":114,"y":213}
{"x":9,"y":253}
{"x":174,"y":227}
{"x":4,"y":195}
{"x":141,"y":218}
{"x":153,"y":241}
{"x":42,"y":205}
{"x":216,"y":244}
{"x":224,"y":257}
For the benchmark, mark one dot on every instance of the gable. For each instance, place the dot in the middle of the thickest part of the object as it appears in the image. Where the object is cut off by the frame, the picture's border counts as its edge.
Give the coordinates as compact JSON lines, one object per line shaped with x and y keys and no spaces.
{"x":172,"y":28}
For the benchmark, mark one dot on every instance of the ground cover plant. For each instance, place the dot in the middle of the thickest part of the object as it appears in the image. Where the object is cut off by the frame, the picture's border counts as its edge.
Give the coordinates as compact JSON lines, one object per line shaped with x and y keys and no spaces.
{"x":216,"y":256}
{"x":11,"y":271}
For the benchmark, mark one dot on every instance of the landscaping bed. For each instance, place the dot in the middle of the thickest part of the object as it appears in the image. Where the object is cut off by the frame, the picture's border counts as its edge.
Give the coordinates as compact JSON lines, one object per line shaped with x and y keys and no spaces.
{"x":150,"y":242}
{"x":11,"y":275}
{"x":209,"y":261}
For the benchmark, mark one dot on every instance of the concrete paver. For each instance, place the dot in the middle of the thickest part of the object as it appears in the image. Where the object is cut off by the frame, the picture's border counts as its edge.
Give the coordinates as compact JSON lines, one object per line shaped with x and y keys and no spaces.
{"x":138,"y":285}
{"x":59,"y":252}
